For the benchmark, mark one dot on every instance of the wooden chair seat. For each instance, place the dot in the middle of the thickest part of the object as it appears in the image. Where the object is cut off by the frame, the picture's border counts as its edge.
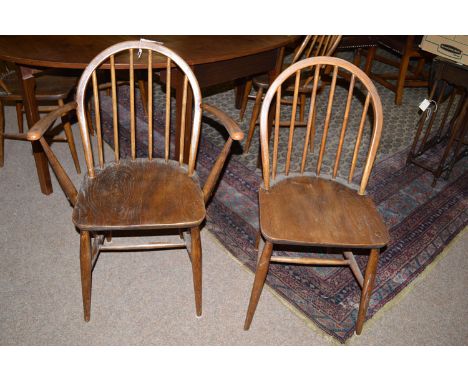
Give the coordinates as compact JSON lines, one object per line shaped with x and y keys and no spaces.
{"x":307,"y":210}
{"x":48,"y":88}
{"x":139,"y":194}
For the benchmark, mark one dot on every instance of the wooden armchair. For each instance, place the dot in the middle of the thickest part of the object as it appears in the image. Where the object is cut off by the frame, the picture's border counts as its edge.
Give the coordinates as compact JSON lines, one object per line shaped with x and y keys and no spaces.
{"x":310,"y":209}
{"x":51,"y":92}
{"x":311,"y":46}
{"x":132,"y":194}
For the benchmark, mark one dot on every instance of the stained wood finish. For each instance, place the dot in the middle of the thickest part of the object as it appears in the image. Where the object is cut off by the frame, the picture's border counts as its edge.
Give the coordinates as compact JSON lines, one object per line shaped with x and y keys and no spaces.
{"x":306,"y":210}
{"x":49,"y":89}
{"x":136,"y":193}
{"x":312,"y":211}
{"x":146,"y":193}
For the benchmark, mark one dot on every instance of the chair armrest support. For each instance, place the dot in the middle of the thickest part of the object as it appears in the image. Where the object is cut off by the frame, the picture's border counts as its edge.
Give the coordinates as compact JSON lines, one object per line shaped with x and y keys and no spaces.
{"x":41,"y":126}
{"x":235,"y":134}
{"x":229,"y":124}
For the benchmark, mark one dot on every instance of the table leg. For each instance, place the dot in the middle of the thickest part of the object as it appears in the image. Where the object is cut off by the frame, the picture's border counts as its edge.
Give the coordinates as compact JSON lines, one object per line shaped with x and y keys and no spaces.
{"x":32,"y":115}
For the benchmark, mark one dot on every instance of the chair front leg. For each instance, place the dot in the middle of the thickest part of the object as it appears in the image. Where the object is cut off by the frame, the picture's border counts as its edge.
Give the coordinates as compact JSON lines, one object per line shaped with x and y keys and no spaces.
{"x":369,"y":279}
{"x":86,"y":272}
{"x":259,"y":281}
{"x":196,"y":257}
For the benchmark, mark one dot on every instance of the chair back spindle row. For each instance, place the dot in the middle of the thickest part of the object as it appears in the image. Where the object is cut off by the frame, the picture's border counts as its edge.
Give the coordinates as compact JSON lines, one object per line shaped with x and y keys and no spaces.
{"x":339,"y":71}
{"x":129,"y":55}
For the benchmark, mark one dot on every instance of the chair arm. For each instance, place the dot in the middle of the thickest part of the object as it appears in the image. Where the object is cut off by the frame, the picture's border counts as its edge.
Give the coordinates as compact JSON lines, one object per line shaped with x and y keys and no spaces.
{"x":230,"y":125}
{"x":41,"y":126}
{"x":235,"y":134}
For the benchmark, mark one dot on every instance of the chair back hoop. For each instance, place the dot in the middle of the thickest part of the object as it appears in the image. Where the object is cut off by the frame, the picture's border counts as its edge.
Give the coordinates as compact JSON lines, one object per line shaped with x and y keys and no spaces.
{"x":371,"y":99}
{"x":137,"y":45}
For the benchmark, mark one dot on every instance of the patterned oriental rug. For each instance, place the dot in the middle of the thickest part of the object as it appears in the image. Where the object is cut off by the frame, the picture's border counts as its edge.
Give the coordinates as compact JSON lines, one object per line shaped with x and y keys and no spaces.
{"x":422,"y":220}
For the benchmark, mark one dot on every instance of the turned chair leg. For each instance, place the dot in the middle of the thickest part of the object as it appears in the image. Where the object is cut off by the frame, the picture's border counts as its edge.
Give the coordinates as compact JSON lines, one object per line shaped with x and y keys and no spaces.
{"x":369,"y":60}
{"x":70,"y":140}
{"x":2,"y":131}
{"x":401,"y":79}
{"x":245,"y":99}
{"x":86,"y":271}
{"x":196,"y":256}
{"x":369,"y":279}
{"x":259,"y":281}
{"x":19,"y":116}
{"x":253,"y":119}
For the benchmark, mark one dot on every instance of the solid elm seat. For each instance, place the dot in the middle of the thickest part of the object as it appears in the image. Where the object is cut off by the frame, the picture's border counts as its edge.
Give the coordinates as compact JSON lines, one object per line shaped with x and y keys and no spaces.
{"x":139,"y":194}
{"x":313,"y":211}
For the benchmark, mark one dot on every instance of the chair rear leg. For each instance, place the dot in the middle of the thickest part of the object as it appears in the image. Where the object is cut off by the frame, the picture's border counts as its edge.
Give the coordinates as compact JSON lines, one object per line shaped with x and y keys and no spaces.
{"x":86,"y":272}
{"x":259,"y":281}
{"x":369,"y":279}
{"x":70,"y":140}
{"x":245,"y":99}
{"x":19,"y":116}
{"x":401,"y":79}
{"x":196,"y":256}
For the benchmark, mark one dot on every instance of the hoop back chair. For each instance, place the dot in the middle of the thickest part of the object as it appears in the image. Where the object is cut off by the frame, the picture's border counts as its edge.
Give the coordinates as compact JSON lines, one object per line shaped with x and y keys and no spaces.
{"x":307,"y":208}
{"x":311,"y":46}
{"x":146,"y":193}
{"x":52,"y":90}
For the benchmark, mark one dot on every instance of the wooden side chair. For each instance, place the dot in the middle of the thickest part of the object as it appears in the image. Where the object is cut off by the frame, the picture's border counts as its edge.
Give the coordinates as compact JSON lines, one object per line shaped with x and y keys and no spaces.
{"x":311,"y":46}
{"x":51,"y":92}
{"x":311,"y":209}
{"x":406,"y":48}
{"x":133,"y":194}
{"x":361,"y":45}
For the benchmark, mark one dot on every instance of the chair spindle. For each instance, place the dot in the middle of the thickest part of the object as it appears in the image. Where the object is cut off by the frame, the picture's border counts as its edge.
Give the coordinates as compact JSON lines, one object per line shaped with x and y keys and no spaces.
{"x":132,"y":105}
{"x":310,"y":132}
{"x":327,"y":119}
{"x":345,"y":125}
{"x":115,"y":120}
{"x":150,"y":104}
{"x":168,"y":109}
{"x":358,"y":138}
{"x":97,"y":112}
{"x":293,"y":121}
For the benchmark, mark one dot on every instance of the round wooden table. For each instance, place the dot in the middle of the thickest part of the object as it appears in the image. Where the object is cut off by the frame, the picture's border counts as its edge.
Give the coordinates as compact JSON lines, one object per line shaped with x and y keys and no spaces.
{"x":214,"y":60}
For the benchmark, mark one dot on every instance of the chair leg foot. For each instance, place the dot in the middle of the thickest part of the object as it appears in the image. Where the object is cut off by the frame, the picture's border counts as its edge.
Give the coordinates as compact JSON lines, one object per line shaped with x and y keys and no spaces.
{"x":259,"y":281}
{"x":197,"y":268}
{"x":86,"y":272}
{"x":369,"y":279}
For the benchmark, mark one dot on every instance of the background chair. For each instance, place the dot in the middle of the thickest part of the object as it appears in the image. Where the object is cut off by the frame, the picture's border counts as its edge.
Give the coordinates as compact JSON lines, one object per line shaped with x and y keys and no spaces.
{"x":307,"y":208}
{"x":361,"y":45}
{"x":133,"y":194}
{"x":406,"y":48}
{"x":311,"y":46}
{"x":52,"y":90}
